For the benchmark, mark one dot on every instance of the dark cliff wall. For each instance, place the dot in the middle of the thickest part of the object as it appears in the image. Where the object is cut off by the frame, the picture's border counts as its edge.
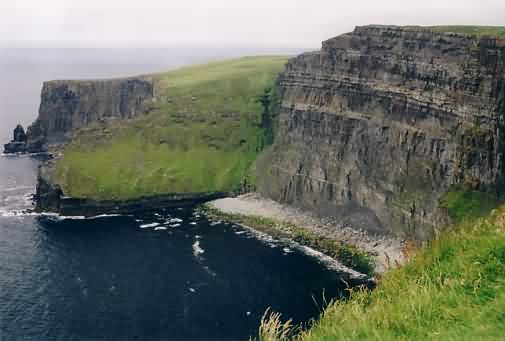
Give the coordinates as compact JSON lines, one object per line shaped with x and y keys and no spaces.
{"x":69,"y":105}
{"x":384,"y":120}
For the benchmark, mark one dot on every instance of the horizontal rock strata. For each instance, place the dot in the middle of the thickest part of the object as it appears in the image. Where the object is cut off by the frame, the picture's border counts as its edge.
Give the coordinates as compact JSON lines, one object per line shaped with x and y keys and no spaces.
{"x":67,"y":106}
{"x":380,"y":122}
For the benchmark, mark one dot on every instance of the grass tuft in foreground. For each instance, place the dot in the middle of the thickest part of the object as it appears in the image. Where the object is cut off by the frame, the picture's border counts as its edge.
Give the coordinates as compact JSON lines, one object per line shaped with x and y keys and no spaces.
{"x":273,"y":329}
{"x":454,"y":289}
{"x":348,"y":255}
{"x":201,"y":134}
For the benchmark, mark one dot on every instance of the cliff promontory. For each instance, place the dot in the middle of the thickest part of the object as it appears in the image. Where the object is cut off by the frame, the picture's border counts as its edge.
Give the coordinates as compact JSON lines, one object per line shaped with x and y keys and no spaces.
{"x":67,"y":106}
{"x":383,"y":121}
{"x":191,"y":133}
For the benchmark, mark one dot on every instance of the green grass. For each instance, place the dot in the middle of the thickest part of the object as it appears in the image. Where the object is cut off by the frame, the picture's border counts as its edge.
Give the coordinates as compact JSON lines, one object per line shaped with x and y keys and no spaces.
{"x":201,"y":134}
{"x":453,"y":289}
{"x":461,"y":204}
{"x":348,"y":255}
{"x":495,"y":31}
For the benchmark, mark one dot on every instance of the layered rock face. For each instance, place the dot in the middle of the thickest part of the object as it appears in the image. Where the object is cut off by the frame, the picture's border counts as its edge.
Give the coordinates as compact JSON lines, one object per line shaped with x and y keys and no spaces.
{"x":69,"y":105}
{"x":381,"y":122}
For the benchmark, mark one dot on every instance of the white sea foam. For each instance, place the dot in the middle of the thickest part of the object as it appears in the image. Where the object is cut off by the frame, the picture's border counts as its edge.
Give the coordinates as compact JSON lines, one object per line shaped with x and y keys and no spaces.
{"x":11,"y":189}
{"x":9,"y":214}
{"x":145,"y":226}
{"x":193,"y":223}
{"x":327,"y":261}
{"x":175,"y":220}
{"x":14,"y":213}
{"x":77,"y":217}
{"x":104,"y":216}
{"x":12,"y":154}
{"x":159,"y":228}
{"x":197,"y":250}
{"x":209,"y":271}
{"x":44,"y":214}
{"x":23,"y":154}
{"x":174,"y":225}
{"x":54,"y":216}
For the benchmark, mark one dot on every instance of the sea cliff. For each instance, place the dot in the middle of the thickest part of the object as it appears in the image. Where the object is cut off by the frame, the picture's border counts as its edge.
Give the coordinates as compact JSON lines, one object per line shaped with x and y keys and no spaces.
{"x":394,"y":130}
{"x":67,"y":106}
{"x":383,"y":121}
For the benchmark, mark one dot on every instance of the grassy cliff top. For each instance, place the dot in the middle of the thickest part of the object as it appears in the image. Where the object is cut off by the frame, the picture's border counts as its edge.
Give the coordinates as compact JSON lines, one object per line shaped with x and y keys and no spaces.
{"x":201,"y":133}
{"x":495,"y":31}
{"x":453,"y":289}
{"x":478,"y":31}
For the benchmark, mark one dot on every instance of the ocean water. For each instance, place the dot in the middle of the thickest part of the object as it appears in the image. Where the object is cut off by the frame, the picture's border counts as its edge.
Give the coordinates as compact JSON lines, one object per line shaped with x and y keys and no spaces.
{"x":161,"y":275}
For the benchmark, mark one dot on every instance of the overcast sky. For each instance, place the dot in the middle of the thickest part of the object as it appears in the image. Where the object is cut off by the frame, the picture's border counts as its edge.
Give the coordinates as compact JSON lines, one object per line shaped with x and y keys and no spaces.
{"x":224,"y":23}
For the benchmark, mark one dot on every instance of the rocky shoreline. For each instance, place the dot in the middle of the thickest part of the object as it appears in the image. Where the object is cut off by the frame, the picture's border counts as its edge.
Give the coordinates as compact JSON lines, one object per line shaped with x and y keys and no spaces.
{"x":352,"y":277}
{"x":386,"y":250}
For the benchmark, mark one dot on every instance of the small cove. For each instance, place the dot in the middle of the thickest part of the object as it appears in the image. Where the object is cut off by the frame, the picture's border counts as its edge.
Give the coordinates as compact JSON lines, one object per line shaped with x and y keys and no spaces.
{"x":160,"y":275}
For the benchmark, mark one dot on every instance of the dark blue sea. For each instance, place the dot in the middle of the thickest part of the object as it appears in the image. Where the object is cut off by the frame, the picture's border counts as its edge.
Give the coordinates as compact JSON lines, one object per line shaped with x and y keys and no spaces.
{"x":161,"y":275}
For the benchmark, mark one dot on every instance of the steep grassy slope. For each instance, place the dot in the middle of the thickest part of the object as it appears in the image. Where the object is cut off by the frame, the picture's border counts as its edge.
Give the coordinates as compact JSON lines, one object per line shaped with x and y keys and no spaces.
{"x":201,"y":134}
{"x":453,"y":289}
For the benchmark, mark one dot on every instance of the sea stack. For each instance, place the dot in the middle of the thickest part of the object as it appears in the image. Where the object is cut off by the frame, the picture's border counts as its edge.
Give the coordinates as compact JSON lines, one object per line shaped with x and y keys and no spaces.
{"x":18,"y":143}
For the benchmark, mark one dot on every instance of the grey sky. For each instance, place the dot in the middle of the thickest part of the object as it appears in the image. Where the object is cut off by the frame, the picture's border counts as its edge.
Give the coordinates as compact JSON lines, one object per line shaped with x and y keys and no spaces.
{"x":225,"y":23}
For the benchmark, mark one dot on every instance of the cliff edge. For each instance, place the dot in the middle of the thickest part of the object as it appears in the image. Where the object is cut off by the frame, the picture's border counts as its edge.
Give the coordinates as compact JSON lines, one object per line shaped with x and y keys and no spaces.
{"x":382,"y":121}
{"x":67,"y":106}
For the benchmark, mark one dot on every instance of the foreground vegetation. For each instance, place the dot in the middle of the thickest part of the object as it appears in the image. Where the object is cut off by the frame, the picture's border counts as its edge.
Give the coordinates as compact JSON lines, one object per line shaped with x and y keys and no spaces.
{"x":201,"y":134}
{"x":464,"y":204}
{"x":348,"y":255}
{"x":496,"y":31}
{"x":454,"y":289}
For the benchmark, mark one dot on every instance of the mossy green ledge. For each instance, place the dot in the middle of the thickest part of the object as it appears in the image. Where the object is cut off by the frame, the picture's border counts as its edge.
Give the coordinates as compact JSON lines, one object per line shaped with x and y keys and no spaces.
{"x":188,"y":133}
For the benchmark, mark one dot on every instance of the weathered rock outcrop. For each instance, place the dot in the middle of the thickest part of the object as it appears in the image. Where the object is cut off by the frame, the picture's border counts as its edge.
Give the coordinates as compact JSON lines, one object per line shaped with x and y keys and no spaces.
{"x":386,"y":119}
{"x":18,"y":143}
{"x":69,"y":105}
